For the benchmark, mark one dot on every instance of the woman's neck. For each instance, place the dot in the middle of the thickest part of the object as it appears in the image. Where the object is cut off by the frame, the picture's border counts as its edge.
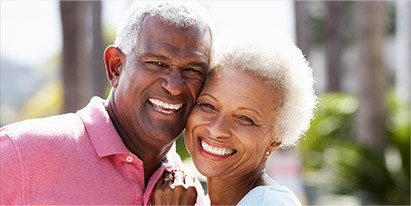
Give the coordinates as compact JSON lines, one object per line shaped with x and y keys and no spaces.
{"x":230,"y":190}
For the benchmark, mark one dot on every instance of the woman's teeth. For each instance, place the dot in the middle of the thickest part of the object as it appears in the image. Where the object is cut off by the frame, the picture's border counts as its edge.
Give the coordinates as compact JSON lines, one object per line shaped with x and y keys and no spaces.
{"x":216,"y":150}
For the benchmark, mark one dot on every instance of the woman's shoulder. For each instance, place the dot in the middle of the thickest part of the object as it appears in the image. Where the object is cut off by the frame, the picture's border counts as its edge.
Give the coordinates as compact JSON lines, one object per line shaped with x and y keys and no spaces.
{"x":270,"y":195}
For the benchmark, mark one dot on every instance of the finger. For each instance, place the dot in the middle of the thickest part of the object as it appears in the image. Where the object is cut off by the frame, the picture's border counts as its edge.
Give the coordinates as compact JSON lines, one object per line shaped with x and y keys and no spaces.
{"x":159,"y":183}
{"x":168,"y":177}
{"x":178,"y":179}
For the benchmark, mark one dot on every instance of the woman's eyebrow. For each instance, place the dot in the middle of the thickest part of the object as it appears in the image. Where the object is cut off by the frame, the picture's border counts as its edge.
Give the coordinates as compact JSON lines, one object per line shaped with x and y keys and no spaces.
{"x":252,"y":110}
{"x":209,"y":95}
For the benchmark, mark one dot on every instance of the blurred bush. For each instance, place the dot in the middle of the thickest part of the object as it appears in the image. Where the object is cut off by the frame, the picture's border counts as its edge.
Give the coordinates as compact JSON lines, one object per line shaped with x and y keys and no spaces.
{"x":181,"y":147}
{"x":45,"y":102}
{"x":335,"y":163}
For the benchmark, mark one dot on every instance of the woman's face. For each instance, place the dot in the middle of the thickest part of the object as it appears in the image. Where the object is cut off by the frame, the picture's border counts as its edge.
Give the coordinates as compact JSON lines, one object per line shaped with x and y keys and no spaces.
{"x":230,"y":128}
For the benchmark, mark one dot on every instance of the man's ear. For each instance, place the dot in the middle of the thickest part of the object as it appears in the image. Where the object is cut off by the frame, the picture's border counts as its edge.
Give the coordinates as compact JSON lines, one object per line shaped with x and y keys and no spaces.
{"x":114,"y":60}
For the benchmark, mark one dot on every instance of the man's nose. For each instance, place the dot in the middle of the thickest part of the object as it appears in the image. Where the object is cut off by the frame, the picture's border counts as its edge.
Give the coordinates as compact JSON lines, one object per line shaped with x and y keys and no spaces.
{"x":174,"y":83}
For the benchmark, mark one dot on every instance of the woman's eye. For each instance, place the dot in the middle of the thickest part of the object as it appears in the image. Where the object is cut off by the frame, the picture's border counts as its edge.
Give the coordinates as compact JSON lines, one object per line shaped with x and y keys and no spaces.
{"x":206,"y":106}
{"x":245,"y":120}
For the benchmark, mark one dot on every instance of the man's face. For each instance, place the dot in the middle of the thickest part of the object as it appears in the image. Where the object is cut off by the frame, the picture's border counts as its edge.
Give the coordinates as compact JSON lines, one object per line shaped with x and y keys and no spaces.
{"x":162,"y":78}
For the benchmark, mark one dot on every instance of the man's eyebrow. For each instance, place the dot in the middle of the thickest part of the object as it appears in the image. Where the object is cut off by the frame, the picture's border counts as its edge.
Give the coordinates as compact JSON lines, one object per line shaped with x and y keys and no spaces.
{"x":198,"y":64}
{"x":151,"y":55}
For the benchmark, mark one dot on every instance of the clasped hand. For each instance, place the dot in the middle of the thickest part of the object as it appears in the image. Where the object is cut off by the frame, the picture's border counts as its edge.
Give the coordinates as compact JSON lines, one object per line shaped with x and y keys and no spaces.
{"x":175,"y":187}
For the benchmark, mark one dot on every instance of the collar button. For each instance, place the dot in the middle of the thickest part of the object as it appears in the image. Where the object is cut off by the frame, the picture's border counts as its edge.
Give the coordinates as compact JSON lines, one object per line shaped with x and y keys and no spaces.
{"x":129,"y":159}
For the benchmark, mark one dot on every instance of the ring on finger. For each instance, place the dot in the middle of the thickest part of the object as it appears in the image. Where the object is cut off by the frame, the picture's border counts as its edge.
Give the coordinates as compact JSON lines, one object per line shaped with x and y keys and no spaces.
{"x":169,"y":177}
{"x":178,"y":179}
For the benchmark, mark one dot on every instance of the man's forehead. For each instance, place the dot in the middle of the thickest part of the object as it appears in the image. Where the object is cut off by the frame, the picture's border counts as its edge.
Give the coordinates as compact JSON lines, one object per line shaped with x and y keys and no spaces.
{"x":159,"y":25}
{"x":156,"y":36}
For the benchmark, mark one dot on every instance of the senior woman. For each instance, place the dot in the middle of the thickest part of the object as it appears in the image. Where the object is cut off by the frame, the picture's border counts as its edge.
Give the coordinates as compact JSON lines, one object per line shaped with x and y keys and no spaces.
{"x":255,"y":100}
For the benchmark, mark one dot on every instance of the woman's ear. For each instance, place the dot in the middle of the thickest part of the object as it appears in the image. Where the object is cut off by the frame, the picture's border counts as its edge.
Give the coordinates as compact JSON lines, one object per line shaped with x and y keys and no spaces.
{"x":114,"y":60}
{"x":274,"y":145}
{"x":271,"y":147}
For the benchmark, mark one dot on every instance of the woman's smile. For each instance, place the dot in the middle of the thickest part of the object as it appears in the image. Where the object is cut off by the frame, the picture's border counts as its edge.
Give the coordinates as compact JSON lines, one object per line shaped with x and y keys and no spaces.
{"x":228,"y":131}
{"x":212,"y":151}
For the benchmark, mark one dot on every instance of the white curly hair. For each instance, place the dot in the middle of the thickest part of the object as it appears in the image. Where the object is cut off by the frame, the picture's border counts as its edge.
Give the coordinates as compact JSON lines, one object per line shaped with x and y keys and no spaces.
{"x":282,"y":64}
{"x":183,"y":14}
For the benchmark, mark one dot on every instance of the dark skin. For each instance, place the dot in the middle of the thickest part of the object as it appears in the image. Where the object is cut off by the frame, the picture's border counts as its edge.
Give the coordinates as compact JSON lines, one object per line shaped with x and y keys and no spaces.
{"x":164,"y":195}
{"x":240,"y":121}
{"x":167,"y":64}
{"x":235,"y":188}
{"x":240,"y":118}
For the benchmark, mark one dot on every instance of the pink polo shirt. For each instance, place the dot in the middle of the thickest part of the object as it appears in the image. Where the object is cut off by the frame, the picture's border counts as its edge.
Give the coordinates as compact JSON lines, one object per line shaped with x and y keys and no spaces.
{"x":75,"y":158}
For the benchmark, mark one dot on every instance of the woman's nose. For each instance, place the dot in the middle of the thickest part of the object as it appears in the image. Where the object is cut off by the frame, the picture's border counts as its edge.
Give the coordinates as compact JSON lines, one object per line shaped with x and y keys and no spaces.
{"x":219,"y":128}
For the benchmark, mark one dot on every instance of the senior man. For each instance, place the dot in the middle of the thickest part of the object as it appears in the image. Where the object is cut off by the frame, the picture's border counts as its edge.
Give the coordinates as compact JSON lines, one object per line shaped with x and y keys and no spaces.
{"x":113,"y":151}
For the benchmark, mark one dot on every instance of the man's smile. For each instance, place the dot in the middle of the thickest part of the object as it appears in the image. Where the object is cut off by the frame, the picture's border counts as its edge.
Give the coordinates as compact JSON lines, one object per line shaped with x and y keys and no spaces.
{"x":163,"y":107}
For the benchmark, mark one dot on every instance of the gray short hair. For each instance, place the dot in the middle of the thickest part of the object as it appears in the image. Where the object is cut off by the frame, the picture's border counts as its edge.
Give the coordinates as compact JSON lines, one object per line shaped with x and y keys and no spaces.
{"x":283,"y":64}
{"x":182,"y":14}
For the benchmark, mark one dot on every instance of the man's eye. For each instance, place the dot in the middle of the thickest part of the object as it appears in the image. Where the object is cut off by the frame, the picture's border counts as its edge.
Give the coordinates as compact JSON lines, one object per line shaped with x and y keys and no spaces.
{"x":156,"y":63}
{"x":190,"y":69}
{"x":194,"y":73}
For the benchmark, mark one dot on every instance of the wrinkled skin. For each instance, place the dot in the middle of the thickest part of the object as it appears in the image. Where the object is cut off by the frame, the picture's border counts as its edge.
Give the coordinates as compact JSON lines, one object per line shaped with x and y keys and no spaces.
{"x":168,"y":63}
{"x":164,"y":195}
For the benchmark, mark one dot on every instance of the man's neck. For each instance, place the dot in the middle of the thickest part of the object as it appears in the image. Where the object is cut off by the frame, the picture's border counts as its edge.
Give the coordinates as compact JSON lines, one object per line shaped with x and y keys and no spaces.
{"x":151,"y":154}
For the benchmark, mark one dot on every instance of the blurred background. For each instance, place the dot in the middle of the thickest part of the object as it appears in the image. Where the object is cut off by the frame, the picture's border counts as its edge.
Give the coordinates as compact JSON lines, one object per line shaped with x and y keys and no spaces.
{"x":357,"y":151}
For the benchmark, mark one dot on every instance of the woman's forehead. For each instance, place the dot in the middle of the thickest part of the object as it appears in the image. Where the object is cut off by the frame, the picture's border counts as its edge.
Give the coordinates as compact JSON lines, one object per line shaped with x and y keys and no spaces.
{"x":243,"y":87}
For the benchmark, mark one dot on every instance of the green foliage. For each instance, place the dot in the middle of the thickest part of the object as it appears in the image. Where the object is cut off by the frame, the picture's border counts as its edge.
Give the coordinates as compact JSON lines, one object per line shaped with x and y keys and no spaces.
{"x":341,"y":165}
{"x":181,"y":147}
{"x":109,"y":35}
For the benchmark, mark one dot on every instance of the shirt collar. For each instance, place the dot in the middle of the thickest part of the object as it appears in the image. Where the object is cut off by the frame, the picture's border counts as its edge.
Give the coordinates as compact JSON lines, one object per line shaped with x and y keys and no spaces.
{"x":104,"y":137}
{"x":99,"y":127}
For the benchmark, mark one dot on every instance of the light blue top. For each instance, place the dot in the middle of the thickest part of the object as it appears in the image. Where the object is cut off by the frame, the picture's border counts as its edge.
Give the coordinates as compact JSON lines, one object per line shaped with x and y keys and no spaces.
{"x":270,"y":195}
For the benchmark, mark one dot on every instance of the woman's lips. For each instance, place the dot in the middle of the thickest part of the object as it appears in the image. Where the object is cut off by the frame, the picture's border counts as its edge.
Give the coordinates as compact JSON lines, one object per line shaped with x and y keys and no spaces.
{"x":213,"y":151}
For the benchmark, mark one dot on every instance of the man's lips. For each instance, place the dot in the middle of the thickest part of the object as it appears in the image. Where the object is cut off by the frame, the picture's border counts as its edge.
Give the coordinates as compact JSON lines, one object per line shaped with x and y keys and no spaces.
{"x":164,"y":107}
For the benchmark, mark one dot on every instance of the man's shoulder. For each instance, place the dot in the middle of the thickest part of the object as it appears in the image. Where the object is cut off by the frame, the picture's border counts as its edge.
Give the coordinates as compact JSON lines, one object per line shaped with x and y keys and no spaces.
{"x":43,"y":131}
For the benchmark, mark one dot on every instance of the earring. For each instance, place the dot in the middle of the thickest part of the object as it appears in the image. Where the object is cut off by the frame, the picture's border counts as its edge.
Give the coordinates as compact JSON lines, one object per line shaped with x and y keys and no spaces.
{"x":267,"y":153}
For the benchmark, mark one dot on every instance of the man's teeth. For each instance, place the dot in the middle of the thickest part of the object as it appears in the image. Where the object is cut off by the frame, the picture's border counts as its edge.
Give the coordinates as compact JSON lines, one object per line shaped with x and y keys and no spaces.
{"x":215,"y":150}
{"x":164,"y":105}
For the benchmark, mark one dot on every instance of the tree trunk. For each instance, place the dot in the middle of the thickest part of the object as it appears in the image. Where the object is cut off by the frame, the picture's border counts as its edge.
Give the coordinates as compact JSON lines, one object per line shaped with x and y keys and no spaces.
{"x":403,"y":50}
{"x":371,"y":26}
{"x":333,"y":44}
{"x":79,"y":53}
{"x":302,"y":27}
{"x":99,"y":72}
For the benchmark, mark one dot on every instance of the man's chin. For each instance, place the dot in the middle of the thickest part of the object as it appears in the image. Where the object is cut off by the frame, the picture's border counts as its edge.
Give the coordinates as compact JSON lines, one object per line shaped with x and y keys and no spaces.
{"x":164,"y":135}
